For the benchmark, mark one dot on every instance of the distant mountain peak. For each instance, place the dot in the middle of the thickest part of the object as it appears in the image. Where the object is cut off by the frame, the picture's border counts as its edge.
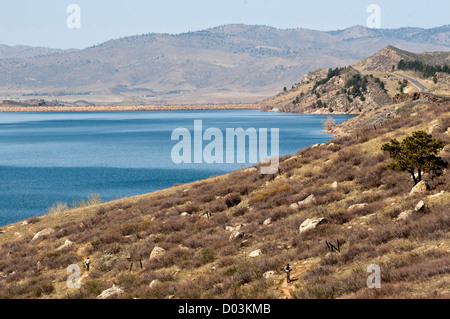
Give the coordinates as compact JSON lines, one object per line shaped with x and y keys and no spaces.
{"x":383,"y":60}
{"x":389,"y":56}
{"x":231,"y":63}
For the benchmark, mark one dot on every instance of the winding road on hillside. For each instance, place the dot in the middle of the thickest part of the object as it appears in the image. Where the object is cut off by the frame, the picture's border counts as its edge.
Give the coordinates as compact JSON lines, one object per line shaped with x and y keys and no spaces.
{"x":416,"y":83}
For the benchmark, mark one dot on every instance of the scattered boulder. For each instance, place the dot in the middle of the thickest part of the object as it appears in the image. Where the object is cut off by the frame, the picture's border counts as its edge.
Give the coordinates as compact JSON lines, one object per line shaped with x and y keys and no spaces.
{"x":437,"y":195}
{"x":184,"y":214}
{"x":334,"y":185}
{"x":357,"y":206}
{"x":311,"y":199}
{"x":420,"y":188}
{"x":236,"y":235}
{"x":311,"y":223}
{"x":432,"y":128}
{"x":255,"y":253}
{"x":43,"y":232}
{"x":404,"y":215}
{"x":154,"y":283}
{"x":157,"y":252}
{"x":233,"y":228}
{"x":108,"y":293}
{"x":268,"y":221}
{"x":269,"y":274}
{"x":421,"y":206}
{"x":292,"y":159}
{"x":67,"y":243}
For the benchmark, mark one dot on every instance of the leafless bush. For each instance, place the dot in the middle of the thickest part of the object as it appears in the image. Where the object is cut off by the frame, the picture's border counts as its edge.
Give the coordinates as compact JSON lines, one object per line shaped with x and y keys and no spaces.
{"x":58,"y":207}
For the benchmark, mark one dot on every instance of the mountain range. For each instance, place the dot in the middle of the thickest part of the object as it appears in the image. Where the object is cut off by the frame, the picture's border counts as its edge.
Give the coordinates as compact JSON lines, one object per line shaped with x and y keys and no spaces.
{"x":226,"y":64}
{"x":364,"y":85}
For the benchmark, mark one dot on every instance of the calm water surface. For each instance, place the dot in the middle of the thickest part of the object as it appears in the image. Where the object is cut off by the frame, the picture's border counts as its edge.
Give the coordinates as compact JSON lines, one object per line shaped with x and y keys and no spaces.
{"x":50,"y":157}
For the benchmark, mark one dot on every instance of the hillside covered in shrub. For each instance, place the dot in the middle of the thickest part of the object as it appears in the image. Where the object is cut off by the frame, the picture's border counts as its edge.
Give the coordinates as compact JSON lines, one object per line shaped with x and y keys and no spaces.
{"x":230,"y":236}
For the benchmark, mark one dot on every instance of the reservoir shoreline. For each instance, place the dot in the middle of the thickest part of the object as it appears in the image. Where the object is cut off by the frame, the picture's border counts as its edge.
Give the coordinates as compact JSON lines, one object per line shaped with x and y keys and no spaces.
{"x":142,"y":108}
{"x":115,"y":108}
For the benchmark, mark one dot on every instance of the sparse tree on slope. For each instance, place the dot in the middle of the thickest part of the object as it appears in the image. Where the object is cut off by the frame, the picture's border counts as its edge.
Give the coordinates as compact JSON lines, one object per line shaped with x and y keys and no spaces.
{"x":417,"y":152}
{"x":329,"y":123}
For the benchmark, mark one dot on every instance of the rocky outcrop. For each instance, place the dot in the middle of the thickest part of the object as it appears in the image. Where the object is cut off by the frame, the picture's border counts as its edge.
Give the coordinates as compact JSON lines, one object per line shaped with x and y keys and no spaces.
{"x":44,"y":232}
{"x":157,"y":252}
{"x":154,"y":283}
{"x":311,"y":199}
{"x":108,"y":293}
{"x":311,"y":223}
{"x":420,"y":188}
{"x":441,"y":193}
{"x":67,"y":243}
{"x":269,"y":274}
{"x":357,"y":206}
{"x":404,"y":215}
{"x":255,"y":253}
{"x":235,"y":235}
{"x":421,"y":206}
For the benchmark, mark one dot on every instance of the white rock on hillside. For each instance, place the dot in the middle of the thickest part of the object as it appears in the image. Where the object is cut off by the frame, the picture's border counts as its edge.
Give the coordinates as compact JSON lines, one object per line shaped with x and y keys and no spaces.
{"x":419,"y":188}
{"x":420,"y":206}
{"x":357,"y":206}
{"x":432,"y":128}
{"x":255,"y":253}
{"x":114,"y":290}
{"x":236,"y":235}
{"x":311,"y":199}
{"x":404,"y":215}
{"x":43,"y":232}
{"x":67,"y":243}
{"x":311,"y":223}
{"x":154,"y":283}
{"x":437,"y":195}
{"x":157,"y":252}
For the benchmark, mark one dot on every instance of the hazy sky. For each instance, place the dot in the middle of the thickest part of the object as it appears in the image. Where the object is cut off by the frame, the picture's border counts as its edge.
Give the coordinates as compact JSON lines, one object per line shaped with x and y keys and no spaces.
{"x":44,"y":22}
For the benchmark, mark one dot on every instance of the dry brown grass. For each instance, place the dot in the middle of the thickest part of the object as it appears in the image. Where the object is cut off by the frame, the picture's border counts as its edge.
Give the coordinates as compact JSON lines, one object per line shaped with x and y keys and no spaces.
{"x":201,"y":261}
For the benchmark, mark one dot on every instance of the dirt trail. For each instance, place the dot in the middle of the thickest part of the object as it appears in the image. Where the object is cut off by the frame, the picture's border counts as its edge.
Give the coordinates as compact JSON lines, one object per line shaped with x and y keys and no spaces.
{"x":81,"y":253}
{"x":296,"y":272}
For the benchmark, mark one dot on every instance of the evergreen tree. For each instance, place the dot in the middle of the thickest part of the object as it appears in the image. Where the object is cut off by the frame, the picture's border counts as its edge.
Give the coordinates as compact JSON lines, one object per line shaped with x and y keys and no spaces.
{"x":417,"y":152}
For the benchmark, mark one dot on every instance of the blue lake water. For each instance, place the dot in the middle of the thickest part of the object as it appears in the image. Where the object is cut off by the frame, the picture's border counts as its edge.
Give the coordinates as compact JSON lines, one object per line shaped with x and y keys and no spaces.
{"x":51,"y":157}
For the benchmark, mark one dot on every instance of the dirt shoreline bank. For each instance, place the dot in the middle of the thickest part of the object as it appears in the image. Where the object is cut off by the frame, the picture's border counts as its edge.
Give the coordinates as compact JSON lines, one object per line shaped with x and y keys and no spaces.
{"x":8,"y":109}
